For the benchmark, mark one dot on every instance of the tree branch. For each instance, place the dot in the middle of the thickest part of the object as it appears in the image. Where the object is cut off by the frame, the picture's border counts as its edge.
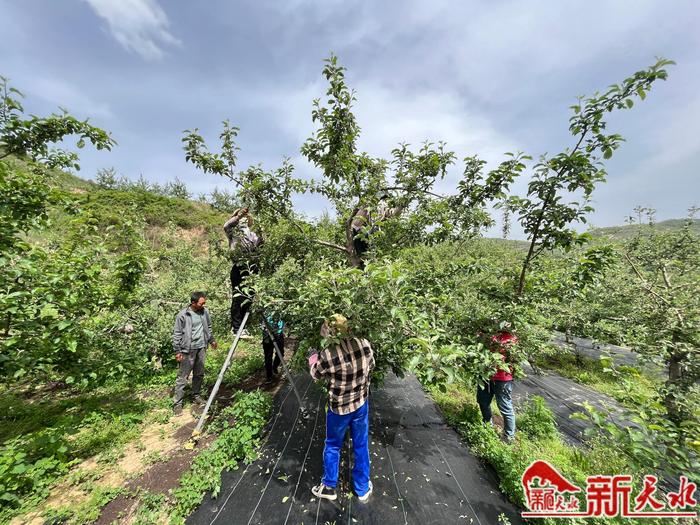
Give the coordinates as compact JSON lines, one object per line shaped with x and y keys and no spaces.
{"x":651,"y":291}
{"x":422,"y":190}
{"x":667,"y":281}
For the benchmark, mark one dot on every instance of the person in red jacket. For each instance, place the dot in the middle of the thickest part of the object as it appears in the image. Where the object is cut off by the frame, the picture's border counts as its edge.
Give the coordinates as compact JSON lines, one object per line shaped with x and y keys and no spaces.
{"x":500,"y":385}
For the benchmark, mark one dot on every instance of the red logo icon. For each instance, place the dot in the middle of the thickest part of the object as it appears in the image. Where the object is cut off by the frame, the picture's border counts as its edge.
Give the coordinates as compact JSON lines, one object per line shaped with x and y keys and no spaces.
{"x":548,"y":493}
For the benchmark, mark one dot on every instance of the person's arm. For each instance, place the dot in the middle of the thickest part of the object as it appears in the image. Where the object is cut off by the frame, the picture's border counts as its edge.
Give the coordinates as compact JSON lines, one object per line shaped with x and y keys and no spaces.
{"x":372,"y":363}
{"x":360,"y":220}
{"x":178,"y":332}
{"x":319,"y":365}
{"x":212,"y":339}
{"x":230,"y":224}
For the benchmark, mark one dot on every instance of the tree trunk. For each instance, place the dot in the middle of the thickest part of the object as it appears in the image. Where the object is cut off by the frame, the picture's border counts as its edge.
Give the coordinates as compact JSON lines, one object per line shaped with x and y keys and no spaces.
{"x":673,"y":388}
{"x":354,"y":260}
{"x":535,"y":236}
{"x":526,"y":264}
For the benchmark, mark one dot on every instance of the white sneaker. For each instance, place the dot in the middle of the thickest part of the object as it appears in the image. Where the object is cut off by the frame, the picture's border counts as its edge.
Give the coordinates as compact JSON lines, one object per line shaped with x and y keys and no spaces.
{"x":245,"y":334}
{"x":365,"y":497}
{"x":324,"y":492}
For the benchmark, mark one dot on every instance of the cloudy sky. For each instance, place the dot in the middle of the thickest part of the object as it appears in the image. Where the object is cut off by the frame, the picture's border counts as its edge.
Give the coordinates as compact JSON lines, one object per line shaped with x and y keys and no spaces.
{"x":485,"y":77}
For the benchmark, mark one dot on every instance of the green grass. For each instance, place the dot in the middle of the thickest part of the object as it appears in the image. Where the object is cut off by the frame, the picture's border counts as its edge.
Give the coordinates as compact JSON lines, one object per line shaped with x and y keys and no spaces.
{"x":627,"y":385}
{"x":43,"y":438}
{"x":234,"y":444}
{"x":510,"y":460}
{"x":158,"y":210}
{"x":87,"y":511}
{"x":44,"y":434}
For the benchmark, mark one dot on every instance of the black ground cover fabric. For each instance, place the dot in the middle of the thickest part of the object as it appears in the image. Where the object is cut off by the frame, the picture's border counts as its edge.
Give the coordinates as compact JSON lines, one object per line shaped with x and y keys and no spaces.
{"x":565,"y":397}
{"x":421,"y":471}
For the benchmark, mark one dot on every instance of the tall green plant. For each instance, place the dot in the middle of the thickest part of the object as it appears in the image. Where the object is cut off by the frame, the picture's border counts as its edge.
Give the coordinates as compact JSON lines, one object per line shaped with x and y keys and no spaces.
{"x":353,"y":181}
{"x":544,"y":213}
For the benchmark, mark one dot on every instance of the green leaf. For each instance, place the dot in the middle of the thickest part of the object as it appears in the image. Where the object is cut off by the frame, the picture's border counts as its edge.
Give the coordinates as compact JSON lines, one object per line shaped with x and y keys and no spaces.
{"x":48,"y":311}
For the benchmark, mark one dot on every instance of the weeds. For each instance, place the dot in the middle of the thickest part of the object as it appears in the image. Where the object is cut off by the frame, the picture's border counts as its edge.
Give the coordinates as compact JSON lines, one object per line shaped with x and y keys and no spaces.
{"x":632,"y":389}
{"x":152,"y":509}
{"x":234,"y":444}
{"x":536,"y":419}
{"x":534,"y":441}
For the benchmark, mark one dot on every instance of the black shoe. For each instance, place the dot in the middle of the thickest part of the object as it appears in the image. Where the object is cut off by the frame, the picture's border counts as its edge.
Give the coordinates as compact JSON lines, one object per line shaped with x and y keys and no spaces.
{"x":198,"y":400}
{"x":321,"y":491}
{"x":177,"y":410}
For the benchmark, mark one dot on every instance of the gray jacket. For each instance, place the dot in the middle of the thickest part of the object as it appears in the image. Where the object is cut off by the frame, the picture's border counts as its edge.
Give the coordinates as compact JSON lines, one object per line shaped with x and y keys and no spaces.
{"x":182,"y":331}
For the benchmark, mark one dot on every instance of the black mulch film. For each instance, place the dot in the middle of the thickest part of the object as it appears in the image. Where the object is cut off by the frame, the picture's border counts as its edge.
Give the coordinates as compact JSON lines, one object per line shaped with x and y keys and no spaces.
{"x":422,"y":473}
{"x":565,"y":397}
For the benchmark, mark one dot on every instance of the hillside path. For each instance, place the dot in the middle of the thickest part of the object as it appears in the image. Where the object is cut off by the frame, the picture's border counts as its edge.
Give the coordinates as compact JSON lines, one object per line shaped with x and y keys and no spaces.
{"x":422,"y":472}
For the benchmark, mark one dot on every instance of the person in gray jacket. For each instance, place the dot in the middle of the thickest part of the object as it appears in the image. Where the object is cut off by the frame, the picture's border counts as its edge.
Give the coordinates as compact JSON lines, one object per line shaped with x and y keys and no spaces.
{"x":192,"y":335}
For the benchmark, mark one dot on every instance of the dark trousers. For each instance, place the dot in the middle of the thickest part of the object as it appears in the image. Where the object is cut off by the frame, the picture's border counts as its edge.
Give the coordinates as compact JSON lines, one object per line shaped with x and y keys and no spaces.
{"x":194,"y":363}
{"x":361,"y":246}
{"x":239,"y":303}
{"x":271,"y":365}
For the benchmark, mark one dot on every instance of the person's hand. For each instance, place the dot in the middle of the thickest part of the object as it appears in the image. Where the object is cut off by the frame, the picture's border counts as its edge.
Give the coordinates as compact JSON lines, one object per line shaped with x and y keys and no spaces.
{"x":313,"y":359}
{"x":179,"y":357}
{"x":324,"y":329}
{"x":214,"y":345}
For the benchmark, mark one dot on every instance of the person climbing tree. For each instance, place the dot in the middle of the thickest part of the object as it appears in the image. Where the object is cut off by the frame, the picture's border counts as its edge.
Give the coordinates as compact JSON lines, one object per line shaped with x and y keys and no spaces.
{"x":364,"y":224}
{"x":243,"y":243}
{"x":347,"y":365}
{"x":500,"y":384}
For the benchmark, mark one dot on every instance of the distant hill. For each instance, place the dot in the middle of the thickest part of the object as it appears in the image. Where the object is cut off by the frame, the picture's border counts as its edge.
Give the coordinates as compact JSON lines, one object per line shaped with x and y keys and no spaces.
{"x":629,"y":230}
{"x":112,"y":205}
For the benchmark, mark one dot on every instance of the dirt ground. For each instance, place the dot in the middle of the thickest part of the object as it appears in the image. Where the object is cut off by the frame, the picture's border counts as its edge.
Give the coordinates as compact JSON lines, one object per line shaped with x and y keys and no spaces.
{"x":163,"y":477}
{"x":154,"y":462}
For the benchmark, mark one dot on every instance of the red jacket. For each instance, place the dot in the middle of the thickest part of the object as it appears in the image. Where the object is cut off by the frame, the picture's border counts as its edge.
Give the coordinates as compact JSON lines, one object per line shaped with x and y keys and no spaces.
{"x":500,"y":340}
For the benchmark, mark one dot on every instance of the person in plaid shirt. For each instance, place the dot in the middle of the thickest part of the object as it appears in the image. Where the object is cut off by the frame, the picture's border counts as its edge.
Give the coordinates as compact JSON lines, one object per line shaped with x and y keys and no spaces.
{"x":347,"y":366}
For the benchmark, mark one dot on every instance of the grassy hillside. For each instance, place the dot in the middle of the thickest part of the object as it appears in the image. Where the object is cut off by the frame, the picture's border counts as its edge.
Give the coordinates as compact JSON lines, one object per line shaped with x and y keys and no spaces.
{"x":629,"y":230}
{"x":158,"y":210}
{"x":111,"y":205}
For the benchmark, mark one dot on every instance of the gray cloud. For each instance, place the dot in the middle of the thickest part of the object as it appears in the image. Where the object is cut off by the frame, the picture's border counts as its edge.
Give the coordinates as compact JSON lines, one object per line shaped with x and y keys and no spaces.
{"x":140,"y":26}
{"x":484,"y":77}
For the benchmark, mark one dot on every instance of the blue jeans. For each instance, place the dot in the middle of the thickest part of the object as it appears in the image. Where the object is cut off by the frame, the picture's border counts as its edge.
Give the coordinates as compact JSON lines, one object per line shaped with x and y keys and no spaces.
{"x":336,"y":425}
{"x":502,"y":391}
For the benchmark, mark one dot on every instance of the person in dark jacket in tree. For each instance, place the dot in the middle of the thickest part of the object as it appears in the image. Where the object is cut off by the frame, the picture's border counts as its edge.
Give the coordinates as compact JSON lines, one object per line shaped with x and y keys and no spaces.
{"x":244,"y":244}
{"x":192,"y":334}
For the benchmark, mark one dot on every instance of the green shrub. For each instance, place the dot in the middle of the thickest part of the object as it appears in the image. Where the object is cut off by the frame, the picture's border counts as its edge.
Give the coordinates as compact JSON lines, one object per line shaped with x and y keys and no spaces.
{"x":234,"y":444}
{"x":536,"y":419}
